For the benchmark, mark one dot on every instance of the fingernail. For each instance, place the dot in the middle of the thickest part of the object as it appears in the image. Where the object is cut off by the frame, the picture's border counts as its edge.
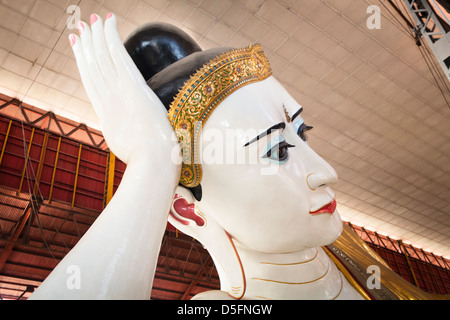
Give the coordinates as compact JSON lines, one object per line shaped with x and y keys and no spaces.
{"x":109,"y":15}
{"x":80,"y":26}
{"x":93,"y":18}
{"x":72,"y":39}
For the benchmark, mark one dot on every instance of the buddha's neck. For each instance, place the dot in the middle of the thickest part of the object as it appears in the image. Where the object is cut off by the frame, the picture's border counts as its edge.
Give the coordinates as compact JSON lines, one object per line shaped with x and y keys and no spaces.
{"x":307,"y":274}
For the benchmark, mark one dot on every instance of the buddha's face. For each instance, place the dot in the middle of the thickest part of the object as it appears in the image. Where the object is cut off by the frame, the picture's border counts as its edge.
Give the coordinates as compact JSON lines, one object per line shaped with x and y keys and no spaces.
{"x":267,"y":194}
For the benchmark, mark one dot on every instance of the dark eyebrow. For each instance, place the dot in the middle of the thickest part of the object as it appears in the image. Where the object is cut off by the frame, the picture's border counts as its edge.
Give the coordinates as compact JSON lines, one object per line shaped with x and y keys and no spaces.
{"x":278,"y":126}
{"x":296,"y":114}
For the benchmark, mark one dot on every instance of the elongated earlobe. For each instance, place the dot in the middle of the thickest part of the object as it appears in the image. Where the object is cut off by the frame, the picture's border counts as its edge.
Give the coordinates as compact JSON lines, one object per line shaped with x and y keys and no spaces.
{"x":185,"y":213}
{"x":186,"y":217}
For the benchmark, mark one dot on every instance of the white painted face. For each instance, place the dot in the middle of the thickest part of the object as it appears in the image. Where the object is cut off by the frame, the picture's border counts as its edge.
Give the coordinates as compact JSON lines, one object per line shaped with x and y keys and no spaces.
{"x":263,"y":193}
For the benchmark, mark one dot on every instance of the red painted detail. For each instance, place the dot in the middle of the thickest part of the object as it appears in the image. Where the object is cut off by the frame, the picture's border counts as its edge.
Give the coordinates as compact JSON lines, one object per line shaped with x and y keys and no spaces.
{"x":328,"y":208}
{"x":187,"y":211}
{"x":178,"y":219}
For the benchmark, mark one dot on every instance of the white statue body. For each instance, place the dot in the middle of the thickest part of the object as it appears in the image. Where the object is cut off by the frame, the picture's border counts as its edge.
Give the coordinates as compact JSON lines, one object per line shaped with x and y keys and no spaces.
{"x":263,"y":221}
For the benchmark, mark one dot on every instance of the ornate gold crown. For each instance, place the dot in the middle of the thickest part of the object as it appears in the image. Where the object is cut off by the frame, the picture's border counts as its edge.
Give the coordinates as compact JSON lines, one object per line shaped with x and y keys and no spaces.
{"x":203,"y":92}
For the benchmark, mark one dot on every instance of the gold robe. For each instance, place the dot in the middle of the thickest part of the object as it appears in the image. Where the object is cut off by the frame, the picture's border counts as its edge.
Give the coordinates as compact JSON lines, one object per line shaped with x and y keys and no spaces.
{"x":353,"y":256}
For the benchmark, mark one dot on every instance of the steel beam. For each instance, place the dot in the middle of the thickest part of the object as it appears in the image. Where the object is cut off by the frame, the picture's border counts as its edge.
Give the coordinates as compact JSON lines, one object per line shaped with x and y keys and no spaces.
{"x":30,"y":143}
{"x":31,"y":207}
{"x":41,"y":164}
{"x":47,"y":118}
{"x":406,"y":255}
{"x":193,"y":283}
{"x":432,"y":30}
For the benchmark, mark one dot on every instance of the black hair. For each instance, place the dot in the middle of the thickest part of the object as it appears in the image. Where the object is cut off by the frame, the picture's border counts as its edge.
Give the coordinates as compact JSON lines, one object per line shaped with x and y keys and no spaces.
{"x":166,"y":56}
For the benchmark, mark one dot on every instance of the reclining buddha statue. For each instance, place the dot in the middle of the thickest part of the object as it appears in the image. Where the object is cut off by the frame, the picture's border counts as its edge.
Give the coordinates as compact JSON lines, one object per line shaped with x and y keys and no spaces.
{"x":215,"y":145}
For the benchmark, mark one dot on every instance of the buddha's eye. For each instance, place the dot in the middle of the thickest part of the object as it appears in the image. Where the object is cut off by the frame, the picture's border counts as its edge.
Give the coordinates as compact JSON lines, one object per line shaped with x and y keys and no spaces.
{"x":279,"y":152}
{"x":301,"y":128}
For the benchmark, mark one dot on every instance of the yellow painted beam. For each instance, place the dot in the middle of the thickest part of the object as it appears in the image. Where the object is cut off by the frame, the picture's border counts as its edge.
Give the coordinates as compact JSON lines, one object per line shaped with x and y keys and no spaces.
{"x":409,"y":263}
{"x":41,"y":163}
{"x":4,"y":142}
{"x":76,"y":175}
{"x":26,"y":162}
{"x":110,"y":181}
{"x":54,"y":171}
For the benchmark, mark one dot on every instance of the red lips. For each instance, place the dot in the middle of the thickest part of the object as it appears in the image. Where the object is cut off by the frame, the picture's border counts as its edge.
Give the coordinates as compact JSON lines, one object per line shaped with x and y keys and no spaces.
{"x":328,"y":208}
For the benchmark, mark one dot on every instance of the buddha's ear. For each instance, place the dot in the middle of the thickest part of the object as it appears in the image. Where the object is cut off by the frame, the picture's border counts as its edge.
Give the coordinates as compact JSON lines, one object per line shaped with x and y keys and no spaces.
{"x":183,"y":214}
{"x":186,"y":217}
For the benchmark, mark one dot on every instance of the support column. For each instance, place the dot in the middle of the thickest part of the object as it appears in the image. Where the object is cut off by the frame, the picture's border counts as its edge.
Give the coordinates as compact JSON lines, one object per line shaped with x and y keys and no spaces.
{"x":30,"y":143}
{"x":4,"y":142}
{"x":41,"y":164}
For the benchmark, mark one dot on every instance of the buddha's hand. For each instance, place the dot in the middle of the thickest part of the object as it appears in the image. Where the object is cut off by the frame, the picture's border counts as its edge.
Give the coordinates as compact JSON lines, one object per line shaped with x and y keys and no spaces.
{"x":133,"y":119}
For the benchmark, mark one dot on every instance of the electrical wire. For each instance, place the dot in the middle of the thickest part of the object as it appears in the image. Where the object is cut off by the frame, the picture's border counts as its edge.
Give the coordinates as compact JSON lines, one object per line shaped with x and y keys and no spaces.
{"x":29,"y":167}
{"x":400,"y":24}
{"x":431,"y":62}
{"x":424,"y":50}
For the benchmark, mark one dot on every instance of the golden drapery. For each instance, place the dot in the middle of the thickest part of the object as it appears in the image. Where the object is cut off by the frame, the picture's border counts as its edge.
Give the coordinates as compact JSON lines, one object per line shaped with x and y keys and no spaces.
{"x":353,"y":257}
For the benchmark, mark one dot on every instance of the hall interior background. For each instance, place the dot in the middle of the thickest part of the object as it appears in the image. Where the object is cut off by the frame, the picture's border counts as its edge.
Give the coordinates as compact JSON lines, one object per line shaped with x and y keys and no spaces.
{"x":377,"y":98}
{"x":56,"y":176}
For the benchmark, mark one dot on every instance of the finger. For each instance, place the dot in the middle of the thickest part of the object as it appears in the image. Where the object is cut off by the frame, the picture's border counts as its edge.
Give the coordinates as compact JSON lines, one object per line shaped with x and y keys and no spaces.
{"x":123,"y":63}
{"x":125,"y":66}
{"x":101,"y":51}
{"x":91,"y":61}
{"x":86,"y":79}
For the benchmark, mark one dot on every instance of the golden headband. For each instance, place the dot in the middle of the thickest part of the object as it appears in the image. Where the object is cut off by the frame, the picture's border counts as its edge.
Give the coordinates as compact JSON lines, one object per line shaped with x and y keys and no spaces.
{"x":203,"y":92}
